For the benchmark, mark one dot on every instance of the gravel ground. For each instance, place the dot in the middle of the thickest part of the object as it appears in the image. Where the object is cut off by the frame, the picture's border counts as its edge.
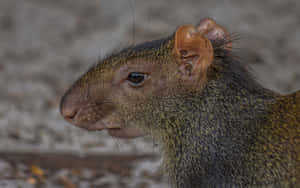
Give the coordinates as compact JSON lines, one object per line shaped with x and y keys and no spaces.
{"x":46,"y":44}
{"x":36,"y":170}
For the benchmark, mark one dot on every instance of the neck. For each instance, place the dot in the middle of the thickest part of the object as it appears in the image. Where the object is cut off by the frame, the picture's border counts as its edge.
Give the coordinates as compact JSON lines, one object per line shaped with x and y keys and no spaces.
{"x":207,"y":141}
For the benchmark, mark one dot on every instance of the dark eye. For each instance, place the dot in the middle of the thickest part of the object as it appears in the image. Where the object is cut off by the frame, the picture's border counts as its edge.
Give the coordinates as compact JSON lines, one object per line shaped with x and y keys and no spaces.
{"x":136,"y":78}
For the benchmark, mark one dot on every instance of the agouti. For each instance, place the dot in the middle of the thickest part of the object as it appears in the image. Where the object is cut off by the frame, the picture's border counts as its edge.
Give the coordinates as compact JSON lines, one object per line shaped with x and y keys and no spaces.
{"x":217,"y":126}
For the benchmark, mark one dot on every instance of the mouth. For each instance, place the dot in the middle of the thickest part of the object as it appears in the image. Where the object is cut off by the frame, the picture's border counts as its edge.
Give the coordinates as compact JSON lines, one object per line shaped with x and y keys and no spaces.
{"x":126,"y":132}
{"x":113,"y":127}
{"x":99,"y":125}
{"x":115,"y":130}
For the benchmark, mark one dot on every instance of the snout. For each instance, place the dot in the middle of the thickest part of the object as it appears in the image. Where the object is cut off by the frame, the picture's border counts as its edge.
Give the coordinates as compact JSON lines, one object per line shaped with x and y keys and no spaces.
{"x":83,"y":113}
{"x":95,"y":116}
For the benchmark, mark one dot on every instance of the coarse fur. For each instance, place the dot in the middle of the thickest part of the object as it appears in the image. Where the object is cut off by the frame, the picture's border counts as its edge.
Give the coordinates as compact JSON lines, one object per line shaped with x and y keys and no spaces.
{"x":230,"y":132}
{"x":211,"y":138}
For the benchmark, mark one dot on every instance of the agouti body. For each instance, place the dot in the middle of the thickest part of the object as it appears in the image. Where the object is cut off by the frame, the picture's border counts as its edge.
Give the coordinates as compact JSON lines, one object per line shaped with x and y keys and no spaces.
{"x":217,"y":126}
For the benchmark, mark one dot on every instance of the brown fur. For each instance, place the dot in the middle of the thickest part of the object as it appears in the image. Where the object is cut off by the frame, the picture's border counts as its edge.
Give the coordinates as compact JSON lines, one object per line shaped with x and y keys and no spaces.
{"x":216,"y":125}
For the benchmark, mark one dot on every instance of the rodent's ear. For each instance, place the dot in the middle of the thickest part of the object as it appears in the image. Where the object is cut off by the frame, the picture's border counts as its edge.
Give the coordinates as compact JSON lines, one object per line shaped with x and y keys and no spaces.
{"x":193,"y":52}
{"x":214,"y":32}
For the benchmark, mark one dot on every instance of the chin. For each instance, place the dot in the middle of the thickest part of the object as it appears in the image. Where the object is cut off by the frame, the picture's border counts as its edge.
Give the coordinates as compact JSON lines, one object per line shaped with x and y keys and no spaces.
{"x":126,"y":133}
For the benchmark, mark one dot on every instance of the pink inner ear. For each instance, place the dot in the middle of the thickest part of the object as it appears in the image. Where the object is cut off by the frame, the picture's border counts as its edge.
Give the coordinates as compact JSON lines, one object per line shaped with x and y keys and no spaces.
{"x":189,"y":42}
{"x":186,"y":41}
{"x":193,"y":49}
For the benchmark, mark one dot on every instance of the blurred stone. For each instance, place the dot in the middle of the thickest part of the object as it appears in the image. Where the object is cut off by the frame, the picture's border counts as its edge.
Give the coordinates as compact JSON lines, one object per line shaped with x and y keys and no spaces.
{"x":5,"y":169}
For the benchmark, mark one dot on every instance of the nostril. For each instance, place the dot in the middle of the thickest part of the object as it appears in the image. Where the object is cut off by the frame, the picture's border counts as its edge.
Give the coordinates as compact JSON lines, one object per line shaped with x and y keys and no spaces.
{"x":69,"y":113}
{"x":73,"y":114}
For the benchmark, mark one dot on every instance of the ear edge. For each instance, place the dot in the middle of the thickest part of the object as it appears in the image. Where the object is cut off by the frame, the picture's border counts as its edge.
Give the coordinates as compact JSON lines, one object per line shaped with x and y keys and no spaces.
{"x":215,"y":33}
{"x":205,"y":25}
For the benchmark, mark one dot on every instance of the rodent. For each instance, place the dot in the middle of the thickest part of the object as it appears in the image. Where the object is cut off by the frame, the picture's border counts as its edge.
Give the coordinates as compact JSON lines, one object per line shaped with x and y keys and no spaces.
{"x":218,"y":127}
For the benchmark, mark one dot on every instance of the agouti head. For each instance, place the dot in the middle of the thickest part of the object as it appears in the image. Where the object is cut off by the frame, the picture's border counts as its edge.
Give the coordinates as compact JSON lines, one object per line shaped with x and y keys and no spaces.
{"x":124,"y":92}
{"x":216,"y":125}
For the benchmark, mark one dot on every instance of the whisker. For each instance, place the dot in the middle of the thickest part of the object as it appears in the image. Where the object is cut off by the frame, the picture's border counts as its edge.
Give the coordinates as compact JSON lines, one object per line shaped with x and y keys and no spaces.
{"x":117,"y":143}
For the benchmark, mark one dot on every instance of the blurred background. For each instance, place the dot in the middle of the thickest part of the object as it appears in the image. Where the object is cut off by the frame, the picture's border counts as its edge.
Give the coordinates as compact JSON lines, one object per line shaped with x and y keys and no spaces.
{"x":45,"y":45}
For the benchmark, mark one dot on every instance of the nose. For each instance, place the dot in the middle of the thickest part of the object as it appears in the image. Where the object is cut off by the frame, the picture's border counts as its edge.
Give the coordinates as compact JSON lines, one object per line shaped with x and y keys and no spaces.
{"x":69,"y":113}
{"x":68,"y":110}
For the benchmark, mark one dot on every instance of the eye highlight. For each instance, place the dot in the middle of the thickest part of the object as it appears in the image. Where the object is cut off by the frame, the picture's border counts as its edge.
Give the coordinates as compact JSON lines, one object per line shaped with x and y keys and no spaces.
{"x":136,"y":78}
